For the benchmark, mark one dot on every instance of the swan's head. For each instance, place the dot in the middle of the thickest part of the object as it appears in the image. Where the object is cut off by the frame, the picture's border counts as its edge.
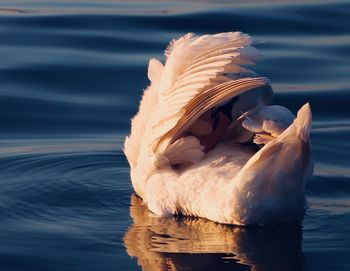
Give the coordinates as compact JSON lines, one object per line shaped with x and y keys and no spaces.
{"x":267,"y":123}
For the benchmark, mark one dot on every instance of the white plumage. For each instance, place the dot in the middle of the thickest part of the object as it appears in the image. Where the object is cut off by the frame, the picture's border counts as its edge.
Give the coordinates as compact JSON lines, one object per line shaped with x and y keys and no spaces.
{"x":172,"y":169}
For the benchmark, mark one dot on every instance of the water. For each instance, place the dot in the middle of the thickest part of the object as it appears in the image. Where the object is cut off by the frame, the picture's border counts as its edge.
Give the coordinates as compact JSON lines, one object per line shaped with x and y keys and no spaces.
{"x":71,"y":74}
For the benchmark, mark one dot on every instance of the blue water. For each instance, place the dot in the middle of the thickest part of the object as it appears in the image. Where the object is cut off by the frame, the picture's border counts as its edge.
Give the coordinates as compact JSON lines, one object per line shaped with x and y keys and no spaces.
{"x":71,"y":75}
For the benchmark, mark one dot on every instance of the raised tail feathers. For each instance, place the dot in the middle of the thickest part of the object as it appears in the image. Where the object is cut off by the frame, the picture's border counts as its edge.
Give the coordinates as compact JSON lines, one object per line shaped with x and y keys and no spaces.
{"x":303,"y":122}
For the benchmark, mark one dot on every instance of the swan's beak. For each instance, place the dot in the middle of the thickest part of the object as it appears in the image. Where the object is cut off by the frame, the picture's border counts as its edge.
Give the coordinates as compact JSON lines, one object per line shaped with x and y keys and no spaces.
{"x":244,"y":115}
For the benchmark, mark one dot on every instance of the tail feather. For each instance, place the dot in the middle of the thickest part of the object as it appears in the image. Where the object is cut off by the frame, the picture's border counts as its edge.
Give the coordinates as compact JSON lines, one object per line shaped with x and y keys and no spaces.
{"x":303,"y":122}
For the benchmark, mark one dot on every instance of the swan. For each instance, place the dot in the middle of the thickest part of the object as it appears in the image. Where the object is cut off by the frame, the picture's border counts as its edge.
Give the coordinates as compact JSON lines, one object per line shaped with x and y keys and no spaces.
{"x":206,"y":141}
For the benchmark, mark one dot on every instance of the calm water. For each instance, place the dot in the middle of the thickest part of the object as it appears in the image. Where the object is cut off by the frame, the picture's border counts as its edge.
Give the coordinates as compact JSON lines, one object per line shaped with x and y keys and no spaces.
{"x":71,"y":74}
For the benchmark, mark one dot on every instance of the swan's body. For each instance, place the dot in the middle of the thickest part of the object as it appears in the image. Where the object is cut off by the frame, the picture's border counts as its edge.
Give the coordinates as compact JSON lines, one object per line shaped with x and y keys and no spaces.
{"x":231,"y":182}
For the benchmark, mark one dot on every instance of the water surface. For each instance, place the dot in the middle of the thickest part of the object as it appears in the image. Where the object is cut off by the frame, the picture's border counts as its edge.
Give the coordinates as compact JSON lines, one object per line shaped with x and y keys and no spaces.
{"x":71,"y":75}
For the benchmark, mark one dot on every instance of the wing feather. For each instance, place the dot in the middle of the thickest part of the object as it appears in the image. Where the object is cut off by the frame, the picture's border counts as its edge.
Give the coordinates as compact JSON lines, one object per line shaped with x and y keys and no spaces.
{"x":203,"y":102}
{"x":139,"y":122}
{"x":193,"y":64}
{"x":193,"y":80}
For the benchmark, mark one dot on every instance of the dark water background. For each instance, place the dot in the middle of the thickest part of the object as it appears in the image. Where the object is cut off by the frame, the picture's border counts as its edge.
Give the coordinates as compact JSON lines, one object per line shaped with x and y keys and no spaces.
{"x":71,"y":74}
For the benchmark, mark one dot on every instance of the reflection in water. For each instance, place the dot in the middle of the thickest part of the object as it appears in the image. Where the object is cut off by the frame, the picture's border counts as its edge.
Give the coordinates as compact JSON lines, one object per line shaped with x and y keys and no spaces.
{"x":198,"y":244}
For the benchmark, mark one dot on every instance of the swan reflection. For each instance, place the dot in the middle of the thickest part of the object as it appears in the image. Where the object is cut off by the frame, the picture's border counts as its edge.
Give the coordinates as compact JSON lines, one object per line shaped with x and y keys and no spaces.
{"x":198,"y":244}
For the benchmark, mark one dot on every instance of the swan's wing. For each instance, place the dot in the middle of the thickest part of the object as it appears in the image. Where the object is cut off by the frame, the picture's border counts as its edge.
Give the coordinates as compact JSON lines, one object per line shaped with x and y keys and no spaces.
{"x":193,"y":64}
{"x":203,"y":102}
{"x":140,"y":121}
{"x":194,"y":79}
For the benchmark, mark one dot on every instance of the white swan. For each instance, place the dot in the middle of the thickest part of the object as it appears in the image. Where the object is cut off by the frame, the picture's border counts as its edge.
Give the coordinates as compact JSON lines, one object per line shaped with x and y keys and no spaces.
{"x":188,"y":149}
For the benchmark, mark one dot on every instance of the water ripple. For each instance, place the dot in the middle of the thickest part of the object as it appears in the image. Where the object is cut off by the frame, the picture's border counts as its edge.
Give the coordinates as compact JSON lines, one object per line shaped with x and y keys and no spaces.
{"x":71,"y":75}
{"x":41,"y":184}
